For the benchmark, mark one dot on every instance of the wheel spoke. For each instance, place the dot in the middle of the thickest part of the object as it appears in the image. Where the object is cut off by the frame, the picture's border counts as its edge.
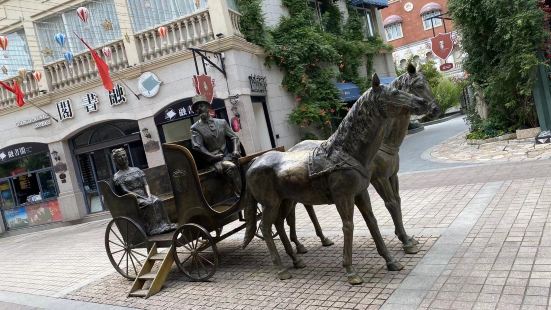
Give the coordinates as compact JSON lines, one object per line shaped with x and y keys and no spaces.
{"x":205,"y":259}
{"x":203,"y":266}
{"x":122,"y":257}
{"x":134,"y":266}
{"x":122,"y":246}
{"x":197,"y":267}
{"x":127,"y":263}
{"x":136,"y":252}
{"x":183,"y":244}
{"x":117,"y":251}
{"x":134,"y":246}
{"x":137,"y":260}
{"x":185,"y":260}
{"x":115,"y":233}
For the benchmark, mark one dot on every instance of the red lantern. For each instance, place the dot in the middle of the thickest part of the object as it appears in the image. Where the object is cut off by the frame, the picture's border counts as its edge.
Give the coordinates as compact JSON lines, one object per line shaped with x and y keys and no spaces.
{"x":37,"y":75}
{"x":163,"y":31}
{"x":83,"y":14}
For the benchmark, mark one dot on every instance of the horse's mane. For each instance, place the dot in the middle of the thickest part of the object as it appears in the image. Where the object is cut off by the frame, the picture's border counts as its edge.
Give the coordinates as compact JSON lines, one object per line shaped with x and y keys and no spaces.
{"x":355,"y":124}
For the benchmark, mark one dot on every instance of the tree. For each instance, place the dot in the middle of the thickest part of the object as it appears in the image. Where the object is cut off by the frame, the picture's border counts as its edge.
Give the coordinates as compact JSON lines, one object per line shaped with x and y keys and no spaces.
{"x":501,"y":39}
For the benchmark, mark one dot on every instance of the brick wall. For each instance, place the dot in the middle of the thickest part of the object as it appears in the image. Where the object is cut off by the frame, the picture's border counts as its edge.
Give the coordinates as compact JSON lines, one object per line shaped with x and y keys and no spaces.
{"x":412,"y":22}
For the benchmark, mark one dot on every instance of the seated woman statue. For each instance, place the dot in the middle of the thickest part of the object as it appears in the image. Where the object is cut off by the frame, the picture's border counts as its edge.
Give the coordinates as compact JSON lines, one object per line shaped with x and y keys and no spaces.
{"x":131,"y":180}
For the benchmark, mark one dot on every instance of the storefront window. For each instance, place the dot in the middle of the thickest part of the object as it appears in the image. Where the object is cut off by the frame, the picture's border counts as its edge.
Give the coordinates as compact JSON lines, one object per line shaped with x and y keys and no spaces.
{"x":28,"y":190}
{"x":6,"y":196}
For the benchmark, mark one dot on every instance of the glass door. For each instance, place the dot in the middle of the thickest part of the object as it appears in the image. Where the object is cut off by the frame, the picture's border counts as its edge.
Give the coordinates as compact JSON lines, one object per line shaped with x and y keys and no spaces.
{"x":97,"y":166}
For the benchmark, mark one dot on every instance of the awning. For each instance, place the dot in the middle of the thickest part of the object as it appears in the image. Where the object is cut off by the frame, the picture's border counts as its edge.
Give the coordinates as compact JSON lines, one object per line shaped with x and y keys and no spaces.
{"x":350,"y":92}
{"x":392,"y":19}
{"x":386,"y":80}
{"x":429,"y":7}
{"x":380,"y":4}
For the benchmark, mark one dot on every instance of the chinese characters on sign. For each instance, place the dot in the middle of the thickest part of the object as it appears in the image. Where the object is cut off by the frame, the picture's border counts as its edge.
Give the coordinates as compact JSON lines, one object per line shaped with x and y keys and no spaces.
{"x":90,"y":102}
{"x":117,"y":95}
{"x":21,"y":150}
{"x":13,"y":153}
{"x":64,"y":109}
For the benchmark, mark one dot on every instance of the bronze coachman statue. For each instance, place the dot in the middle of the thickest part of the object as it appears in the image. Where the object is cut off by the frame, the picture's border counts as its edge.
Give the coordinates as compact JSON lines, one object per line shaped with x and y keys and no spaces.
{"x":131,"y":180}
{"x":208,"y":137}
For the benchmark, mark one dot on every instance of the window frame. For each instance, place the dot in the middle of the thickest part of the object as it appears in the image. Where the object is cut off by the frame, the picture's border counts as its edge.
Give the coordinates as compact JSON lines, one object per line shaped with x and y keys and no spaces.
{"x":370,"y":28}
{"x":399,"y":26}
{"x":436,"y":22}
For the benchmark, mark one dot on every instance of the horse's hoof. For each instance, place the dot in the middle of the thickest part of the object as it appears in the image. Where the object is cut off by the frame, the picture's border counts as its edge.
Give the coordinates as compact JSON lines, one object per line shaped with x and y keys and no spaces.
{"x":394,"y":266}
{"x":326,"y":242}
{"x":410,"y":248}
{"x":284,"y":275}
{"x":355,"y":279}
{"x":299,"y":264}
{"x":301,"y":249}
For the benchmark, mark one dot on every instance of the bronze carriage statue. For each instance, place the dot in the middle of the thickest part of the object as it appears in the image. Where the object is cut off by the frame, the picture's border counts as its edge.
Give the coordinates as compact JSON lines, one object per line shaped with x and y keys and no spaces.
{"x":204,"y":204}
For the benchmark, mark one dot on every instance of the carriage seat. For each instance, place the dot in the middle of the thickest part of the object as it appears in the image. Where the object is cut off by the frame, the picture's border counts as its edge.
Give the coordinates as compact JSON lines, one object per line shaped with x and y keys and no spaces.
{"x":119,"y":205}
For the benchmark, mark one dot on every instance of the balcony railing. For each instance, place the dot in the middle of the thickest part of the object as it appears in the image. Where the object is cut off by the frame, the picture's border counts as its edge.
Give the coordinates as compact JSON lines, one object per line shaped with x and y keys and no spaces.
{"x":29,"y":87}
{"x":189,"y":31}
{"x":235,"y":19}
{"x":60,"y":74}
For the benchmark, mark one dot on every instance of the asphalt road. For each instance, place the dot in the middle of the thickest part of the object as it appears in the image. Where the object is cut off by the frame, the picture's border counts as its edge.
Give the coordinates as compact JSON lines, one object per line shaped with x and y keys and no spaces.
{"x":416,"y":144}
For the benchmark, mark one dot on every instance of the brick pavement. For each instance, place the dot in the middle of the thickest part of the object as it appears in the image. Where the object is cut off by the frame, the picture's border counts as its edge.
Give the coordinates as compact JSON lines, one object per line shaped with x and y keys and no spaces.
{"x":491,"y":224}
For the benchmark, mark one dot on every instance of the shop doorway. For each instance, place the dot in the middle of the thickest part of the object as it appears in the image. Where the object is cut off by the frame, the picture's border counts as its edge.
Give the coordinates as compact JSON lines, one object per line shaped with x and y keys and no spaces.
{"x":92,"y":149}
{"x":263,"y":130}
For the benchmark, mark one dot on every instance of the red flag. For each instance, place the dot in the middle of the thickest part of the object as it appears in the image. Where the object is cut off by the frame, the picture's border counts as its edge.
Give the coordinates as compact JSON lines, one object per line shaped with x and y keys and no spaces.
{"x":103,"y":69}
{"x":19,"y":95}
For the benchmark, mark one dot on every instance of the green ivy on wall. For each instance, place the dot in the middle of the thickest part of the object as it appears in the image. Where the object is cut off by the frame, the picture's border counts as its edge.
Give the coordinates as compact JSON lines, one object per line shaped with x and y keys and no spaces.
{"x":313,"y":56}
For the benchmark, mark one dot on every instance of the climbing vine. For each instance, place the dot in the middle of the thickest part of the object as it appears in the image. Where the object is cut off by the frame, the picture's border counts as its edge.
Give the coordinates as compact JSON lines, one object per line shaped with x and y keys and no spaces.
{"x":313,"y":54}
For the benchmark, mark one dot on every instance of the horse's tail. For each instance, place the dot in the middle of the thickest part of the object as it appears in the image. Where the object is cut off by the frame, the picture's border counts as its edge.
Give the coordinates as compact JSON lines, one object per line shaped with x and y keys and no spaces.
{"x":250,"y":217}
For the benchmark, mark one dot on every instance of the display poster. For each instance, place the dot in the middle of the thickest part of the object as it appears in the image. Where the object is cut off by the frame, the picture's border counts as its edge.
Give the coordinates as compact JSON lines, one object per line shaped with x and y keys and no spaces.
{"x":16,"y":218}
{"x":43,"y":213}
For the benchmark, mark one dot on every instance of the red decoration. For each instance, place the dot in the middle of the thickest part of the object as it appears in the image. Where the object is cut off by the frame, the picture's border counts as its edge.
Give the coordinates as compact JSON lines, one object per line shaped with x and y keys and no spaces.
{"x":3,"y":42}
{"x":442,"y":45}
{"x":103,"y":69}
{"x":236,"y":124}
{"x":204,"y":85}
{"x":83,"y":14}
{"x":37,"y":75}
{"x":163,"y":31}
{"x":16,"y":90}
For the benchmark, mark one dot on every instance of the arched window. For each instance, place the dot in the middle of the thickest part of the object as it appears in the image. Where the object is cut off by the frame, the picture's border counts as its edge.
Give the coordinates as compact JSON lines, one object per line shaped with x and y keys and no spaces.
{"x":393,"y":27}
{"x":428,"y":13}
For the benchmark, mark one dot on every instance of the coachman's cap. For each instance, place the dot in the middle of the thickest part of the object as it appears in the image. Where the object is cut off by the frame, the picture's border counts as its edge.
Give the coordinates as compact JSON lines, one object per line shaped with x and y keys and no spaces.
{"x":196,"y":100}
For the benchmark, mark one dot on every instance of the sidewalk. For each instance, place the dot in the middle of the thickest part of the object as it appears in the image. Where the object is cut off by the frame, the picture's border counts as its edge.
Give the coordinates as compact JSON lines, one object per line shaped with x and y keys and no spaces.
{"x":484,"y":232}
{"x":456,"y":149}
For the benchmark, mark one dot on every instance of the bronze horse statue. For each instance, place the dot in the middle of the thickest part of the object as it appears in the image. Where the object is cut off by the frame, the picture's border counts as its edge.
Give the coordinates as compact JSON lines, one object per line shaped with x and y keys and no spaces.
{"x":384,"y":167}
{"x":333,"y":173}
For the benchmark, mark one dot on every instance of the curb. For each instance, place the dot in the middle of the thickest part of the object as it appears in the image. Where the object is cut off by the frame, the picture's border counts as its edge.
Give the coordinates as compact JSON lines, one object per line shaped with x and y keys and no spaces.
{"x":416,"y":130}
{"x":441,"y":120}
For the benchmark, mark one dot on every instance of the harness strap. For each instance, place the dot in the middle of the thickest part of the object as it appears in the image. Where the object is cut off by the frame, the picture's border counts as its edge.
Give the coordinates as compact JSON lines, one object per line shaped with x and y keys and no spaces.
{"x":390,"y":150}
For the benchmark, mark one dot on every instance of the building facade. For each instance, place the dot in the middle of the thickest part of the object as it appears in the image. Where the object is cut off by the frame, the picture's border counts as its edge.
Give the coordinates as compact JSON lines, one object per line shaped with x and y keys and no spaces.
{"x":409,"y":26}
{"x":56,"y":147}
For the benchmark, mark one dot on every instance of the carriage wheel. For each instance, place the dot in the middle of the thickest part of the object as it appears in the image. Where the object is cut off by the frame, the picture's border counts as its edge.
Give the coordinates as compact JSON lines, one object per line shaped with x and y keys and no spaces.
{"x":258,"y":232}
{"x":126,"y":245}
{"x":195,"y":252}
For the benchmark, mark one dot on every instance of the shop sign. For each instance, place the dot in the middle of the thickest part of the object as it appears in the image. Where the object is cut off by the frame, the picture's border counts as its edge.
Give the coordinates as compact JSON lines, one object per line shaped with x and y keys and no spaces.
{"x":38,"y":121}
{"x":149,"y":84}
{"x":21,"y":150}
{"x":117,"y":95}
{"x":182,"y":109}
{"x":90,"y":102}
{"x":258,"y":84}
{"x":442,"y":45}
{"x":446,"y":67}
{"x":64,"y":109}
{"x":204,"y":85}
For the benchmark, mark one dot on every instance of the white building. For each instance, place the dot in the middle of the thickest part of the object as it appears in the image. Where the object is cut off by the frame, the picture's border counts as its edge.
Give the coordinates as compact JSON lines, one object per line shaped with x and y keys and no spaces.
{"x":49,"y":168}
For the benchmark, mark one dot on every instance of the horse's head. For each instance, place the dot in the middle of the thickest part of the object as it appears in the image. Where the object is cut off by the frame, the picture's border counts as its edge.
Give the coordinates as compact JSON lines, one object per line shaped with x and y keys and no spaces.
{"x":393,"y":102}
{"x":414,"y":82}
